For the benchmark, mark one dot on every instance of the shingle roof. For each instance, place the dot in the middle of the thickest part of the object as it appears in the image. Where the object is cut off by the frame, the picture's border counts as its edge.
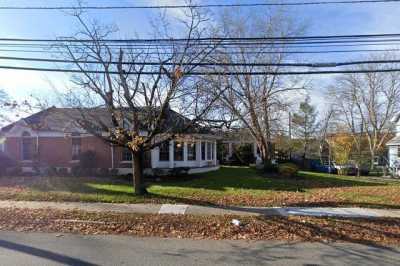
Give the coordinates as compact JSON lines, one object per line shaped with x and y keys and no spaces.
{"x":65,"y":119}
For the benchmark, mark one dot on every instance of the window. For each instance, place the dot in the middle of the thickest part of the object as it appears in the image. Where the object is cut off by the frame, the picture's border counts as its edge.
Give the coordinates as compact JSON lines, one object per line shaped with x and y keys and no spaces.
{"x":2,"y":145}
{"x":27,"y":147}
{"x":126,"y":155}
{"x":178,"y":151}
{"x":209,"y":151}
{"x":203,"y":151}
{"x":76,"y":147}
{"x":164,"y":151}
{"x":191,"y":151}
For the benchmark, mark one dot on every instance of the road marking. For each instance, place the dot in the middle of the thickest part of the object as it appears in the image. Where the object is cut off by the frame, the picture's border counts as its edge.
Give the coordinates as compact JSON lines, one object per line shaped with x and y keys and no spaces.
{"x":173,"y":209}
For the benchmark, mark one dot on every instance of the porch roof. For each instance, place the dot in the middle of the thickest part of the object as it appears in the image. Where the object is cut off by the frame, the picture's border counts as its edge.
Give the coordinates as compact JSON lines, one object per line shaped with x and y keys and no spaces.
{"x":394,"y":141}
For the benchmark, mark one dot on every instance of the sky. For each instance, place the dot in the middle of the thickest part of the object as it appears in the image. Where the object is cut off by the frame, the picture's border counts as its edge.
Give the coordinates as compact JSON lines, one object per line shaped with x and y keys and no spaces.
{"x":320,"y":20}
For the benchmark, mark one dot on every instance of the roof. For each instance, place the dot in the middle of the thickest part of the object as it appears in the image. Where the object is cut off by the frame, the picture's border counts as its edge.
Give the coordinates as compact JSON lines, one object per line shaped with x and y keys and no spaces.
{"x":394,"y":141}
{"x":66,"y":119}
{"x":395,"y":118}
{"x":237,"y":135}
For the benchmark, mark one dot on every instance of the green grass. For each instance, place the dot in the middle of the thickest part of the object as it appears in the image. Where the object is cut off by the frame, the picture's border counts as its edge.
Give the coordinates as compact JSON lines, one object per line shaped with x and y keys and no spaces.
{"x":228,"y":186}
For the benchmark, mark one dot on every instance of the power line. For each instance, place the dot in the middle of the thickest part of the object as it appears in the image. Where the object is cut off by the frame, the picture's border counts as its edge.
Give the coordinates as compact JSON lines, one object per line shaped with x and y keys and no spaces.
{"x":223,"y":44}
{"x":230,"y":52}
{"x":205,"y":73}
{"x":256,"y":64}
{"x":252,"y":5}
{"x":209,"y":39}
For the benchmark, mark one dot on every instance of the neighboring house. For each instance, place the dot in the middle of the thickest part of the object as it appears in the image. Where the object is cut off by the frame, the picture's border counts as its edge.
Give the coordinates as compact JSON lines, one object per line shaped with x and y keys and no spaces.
{"x":52,"y":138}
{"x":232,"y":139}
{"x":394,"y":147}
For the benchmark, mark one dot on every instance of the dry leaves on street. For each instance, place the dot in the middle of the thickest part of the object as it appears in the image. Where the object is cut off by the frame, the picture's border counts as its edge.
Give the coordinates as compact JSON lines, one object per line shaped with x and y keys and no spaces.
{"x":374,"y":231}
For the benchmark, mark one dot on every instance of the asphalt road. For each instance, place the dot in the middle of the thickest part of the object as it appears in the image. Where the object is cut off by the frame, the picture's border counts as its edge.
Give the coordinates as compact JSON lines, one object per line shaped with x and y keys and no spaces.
{"x":50,"y":249}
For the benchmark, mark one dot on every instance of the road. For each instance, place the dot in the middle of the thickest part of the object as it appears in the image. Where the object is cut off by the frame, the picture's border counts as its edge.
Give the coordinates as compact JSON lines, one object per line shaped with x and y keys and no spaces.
{"x":52,"y":249}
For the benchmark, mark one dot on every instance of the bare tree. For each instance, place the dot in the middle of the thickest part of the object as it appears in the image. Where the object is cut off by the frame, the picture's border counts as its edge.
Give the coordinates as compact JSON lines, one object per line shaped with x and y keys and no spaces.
{"x":137,"y":97}
{"x":365,"y":103}
{"x":257,"y":101}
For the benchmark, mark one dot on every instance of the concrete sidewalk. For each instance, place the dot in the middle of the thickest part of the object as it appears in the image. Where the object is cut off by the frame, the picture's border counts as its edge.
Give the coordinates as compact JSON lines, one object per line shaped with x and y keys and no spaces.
{"x":203,"y":210}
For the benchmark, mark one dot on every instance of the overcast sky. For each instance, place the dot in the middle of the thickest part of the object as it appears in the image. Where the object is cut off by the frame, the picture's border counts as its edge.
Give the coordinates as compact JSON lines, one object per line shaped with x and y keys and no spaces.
{"x":321,"y":20}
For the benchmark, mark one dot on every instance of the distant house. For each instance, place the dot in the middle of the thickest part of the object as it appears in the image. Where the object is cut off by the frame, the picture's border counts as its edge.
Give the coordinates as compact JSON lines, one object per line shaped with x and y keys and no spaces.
{"x":52,"y":138}
{"x":232,"y":139}
{"x":394,"y":146}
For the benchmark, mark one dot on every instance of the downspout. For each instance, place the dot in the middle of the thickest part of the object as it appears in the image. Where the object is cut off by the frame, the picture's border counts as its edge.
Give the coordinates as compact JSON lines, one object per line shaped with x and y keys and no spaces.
{"x":112,"y":156}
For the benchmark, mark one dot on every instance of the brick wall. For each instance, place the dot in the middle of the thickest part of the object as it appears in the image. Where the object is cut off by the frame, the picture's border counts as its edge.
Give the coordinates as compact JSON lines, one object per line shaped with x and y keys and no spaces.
{"x":57,"y":151}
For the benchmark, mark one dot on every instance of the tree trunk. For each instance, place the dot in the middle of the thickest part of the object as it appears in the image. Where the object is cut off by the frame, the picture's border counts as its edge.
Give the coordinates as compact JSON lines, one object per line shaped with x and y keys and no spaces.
{"x":372,"y":167}
{"x":138,"y":178}
{"x":266,"y":155}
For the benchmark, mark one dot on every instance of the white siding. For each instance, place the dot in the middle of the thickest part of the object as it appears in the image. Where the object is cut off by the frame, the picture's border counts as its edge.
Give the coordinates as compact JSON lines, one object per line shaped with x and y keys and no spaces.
{"x":393,"y":155}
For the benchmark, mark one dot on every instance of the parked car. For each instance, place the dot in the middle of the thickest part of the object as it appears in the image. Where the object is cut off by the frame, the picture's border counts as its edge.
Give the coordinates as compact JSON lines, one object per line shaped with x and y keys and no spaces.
{"x":316,"y":165}
{"x":351,"y":168}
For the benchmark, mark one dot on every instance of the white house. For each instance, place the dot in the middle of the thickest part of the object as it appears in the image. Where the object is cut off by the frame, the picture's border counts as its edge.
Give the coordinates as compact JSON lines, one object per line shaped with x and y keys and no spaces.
{"x":394,"y":147}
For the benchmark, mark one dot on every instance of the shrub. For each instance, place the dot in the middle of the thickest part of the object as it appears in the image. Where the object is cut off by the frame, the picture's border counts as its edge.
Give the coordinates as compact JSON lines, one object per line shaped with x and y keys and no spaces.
{"x":87,"y":160}
{"x":287,"y":170}
{"x":114,"y":172}
{"x":246,"y":154}
{"x":14,"y":171}
{"x":103,"y":172}
{"x":269,"y":167}
{"x":6,"y":162}
{"x":62,"y":171}
{"x":76,"y":171}
{"x":180,"y":171}
{"x":50,"y":171}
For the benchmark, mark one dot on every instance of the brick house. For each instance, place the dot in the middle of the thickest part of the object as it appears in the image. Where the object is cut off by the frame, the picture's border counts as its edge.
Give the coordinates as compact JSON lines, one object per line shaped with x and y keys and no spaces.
{"x":51,"y":138}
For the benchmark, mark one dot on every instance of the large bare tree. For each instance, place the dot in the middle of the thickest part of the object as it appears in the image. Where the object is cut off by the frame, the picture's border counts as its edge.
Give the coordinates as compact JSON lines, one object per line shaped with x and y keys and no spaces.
{"x":365,"y":103}
{"x":258,"y":102}
{"x":137,"y":97}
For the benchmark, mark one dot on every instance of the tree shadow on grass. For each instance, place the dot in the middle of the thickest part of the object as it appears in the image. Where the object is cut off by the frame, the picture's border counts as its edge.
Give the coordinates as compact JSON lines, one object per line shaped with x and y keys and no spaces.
{"x":225,"y":179}
{"x":238,"y":178}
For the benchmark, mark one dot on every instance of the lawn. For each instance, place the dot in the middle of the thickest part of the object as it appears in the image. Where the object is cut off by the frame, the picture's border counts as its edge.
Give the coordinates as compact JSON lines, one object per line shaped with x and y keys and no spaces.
{"x":239,"y":186}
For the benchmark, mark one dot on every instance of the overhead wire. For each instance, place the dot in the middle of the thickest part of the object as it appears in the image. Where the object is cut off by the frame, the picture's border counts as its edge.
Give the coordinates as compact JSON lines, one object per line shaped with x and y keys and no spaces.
{"x":248,"y":5}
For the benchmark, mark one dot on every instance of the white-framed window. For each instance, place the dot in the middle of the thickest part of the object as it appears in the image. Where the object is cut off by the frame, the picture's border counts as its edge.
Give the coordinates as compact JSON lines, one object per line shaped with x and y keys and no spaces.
{"x":76,"y":146}
{"x":126,"y":155}
{"x":209,"y":151}
{"x":28,"y":147}
{"x":178,"y":151}
{"x":191,"y":151}
{"x":203,"y":151}
{"x":164,"y":151}
{"x":2,"y":144}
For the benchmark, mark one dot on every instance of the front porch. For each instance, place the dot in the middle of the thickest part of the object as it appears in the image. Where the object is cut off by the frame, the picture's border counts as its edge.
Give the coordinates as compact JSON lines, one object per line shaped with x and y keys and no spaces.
{"x":198,"y":153}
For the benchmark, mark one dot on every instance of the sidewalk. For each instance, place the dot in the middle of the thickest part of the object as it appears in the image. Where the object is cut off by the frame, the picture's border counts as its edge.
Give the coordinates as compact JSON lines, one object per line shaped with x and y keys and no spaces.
{"x":203,"y":210}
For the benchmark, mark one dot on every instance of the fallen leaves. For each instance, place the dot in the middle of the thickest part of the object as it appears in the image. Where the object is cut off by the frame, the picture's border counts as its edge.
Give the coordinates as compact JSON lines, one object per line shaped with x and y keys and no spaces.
{"x":374,"y":231}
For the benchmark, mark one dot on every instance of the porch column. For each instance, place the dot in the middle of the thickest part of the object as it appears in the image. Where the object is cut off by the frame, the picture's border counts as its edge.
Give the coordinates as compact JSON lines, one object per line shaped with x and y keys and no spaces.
{"x":215,"y":152}
{"x":230,"y":149}
{"x":206,"y":149}
{"x":255,"y":149}
{"x":112,"y":156}
{"x":185,"y":152}
{"x":198,"y":153}
{"x":154,"y":157}
{"x":171,"y":154}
